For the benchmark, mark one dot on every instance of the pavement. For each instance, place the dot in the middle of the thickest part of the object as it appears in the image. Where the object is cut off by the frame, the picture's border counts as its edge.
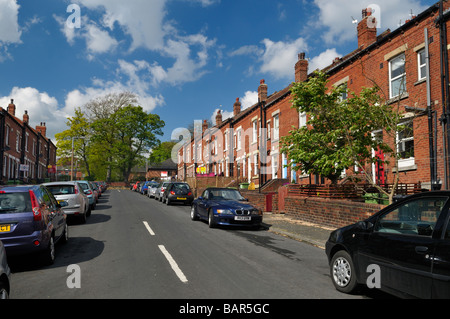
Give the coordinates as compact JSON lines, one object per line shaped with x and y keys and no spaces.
{"x":313,"y":234}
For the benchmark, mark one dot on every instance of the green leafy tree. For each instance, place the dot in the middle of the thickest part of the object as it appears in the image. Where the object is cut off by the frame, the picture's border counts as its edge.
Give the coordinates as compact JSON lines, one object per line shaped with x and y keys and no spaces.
{"x":136,"y":134}
{"x":73,"y":143}
{"x":162,"y":152}
{"x":339,"y":130}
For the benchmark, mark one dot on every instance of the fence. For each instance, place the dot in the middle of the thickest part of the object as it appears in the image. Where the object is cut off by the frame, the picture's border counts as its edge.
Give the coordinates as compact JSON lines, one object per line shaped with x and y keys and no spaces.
{"x":350,"y":191}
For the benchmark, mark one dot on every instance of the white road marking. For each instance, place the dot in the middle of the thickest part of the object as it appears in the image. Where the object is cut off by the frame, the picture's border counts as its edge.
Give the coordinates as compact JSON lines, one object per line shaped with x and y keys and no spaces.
{"x":149,"y":229}
{"x":173,"y":264}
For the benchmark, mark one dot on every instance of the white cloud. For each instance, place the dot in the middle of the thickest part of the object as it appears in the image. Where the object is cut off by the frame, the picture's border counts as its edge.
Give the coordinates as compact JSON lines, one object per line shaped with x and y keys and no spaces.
{"x":9,"y":26}
{"x":99,"y":41}
{"x":140,"y":19}
{"x":336,"y":16}
{"x":280,"y":57}
{"x":41,"y":107}
{"x":323,"y":60}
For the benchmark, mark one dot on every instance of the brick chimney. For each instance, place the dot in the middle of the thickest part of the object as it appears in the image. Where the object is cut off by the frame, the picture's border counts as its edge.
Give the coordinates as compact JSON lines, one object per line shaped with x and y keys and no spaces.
{"x":301,"y":68}
{"x":42,"y":129}
{"x":237,"y":107}
{"x":26,"y":117}
{"x":367,"y":29}
{"x":218,"y":118}
{"x":12,"y":108}
{"x":204,"y":126}
{"x":262,"y":91}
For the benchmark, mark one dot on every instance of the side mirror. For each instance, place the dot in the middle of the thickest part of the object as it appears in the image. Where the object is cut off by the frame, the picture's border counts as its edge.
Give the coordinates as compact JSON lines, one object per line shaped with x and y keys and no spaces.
{"x":200,"y":198}
{"x":364,"y":225}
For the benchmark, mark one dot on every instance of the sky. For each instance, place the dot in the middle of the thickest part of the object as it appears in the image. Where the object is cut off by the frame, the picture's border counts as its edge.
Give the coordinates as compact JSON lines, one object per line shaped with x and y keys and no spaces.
{"x":184,"y":59}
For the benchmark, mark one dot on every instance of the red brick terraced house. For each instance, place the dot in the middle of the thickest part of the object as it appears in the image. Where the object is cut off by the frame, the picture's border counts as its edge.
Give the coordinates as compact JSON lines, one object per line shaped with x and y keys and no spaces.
{"x":26,"y":154}
{"x":247,"y":145}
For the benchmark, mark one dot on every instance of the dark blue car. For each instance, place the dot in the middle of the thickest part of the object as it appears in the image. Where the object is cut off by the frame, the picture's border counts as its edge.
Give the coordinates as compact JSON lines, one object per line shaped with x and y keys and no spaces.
{"x":226,"y":207}
{"x":31,"y":221}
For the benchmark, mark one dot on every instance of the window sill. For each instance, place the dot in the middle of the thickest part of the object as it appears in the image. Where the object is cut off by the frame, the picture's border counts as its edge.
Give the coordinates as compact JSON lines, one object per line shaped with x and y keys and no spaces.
{"x":398,"y":98}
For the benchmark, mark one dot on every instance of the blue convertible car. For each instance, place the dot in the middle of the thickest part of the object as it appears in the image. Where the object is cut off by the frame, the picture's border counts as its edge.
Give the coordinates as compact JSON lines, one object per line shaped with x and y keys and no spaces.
{"x":227,"y":207}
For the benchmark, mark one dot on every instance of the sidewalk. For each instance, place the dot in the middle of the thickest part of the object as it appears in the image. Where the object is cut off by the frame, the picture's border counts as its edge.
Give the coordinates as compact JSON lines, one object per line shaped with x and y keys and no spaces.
{"x":297,"y":229}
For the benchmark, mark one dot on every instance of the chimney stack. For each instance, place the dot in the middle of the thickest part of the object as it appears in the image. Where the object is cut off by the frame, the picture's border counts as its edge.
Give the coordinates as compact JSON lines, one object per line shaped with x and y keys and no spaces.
{"x":204,"y":126}
{"x":301,"y":68}
{"x":12,"y":108}
{"x":42,"y":129}
{"x":367,"y":29}
{"x":26,"y":117}
{"x":218,"y":118}
{"x":262,"y":91}
{"x":237,"y":107}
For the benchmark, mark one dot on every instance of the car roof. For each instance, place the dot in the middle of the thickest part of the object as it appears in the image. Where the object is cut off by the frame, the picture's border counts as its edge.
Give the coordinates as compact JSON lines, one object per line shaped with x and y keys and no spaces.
{"x":60,"y":183}
{"x":17,"y":188}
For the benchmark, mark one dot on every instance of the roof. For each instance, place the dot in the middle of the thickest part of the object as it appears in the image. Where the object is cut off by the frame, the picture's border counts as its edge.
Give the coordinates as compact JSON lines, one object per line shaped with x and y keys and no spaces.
{"x":163,"y":166}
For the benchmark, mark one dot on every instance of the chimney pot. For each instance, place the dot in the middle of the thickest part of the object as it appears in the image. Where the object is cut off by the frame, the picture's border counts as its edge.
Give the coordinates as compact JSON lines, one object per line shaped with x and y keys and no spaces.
{"x":237,"y":107}
{"x":301,"y":68}
{"x":262,"y":91}
{"x":218,"y":118}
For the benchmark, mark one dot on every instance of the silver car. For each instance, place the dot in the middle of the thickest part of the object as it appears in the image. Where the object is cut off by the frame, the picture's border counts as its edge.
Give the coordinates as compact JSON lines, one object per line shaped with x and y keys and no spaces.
{"x":72,"y":193}
{"x":152,"y":188}
{"x":160,"y":190}
{"x":5,"y":274}
{"x":86,"y":186}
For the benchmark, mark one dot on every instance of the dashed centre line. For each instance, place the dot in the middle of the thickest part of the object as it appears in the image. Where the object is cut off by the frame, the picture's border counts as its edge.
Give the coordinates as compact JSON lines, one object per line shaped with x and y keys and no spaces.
{"x":168,"y":256}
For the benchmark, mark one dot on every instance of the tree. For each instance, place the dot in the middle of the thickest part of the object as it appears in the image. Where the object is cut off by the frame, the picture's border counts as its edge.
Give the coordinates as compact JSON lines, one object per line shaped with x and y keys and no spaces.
{"x":162,"y":152}
{"x":136,"y":133}
{"x":339,"y":130}
{"x":76,"y":140}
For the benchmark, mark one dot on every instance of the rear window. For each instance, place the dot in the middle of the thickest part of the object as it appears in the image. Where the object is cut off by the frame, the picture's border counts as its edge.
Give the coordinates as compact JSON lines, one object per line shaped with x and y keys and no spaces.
{"x":15,"y":202}
{"x":61,"y":189}
{"x":84,"y":186}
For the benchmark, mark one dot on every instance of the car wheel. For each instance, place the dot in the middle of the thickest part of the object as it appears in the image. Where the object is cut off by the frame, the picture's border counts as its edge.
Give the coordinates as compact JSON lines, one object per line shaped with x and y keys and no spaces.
{"x":211,"y":221}
{"x":342,"y":272}
{"x":4,"y":291}
{"x":194,"y":213}
{"x":65,"y":235}
{"x":48,"y":256}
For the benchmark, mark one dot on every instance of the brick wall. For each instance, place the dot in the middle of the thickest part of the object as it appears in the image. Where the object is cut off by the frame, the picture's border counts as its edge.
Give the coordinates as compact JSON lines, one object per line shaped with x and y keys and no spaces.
{"x":326,"y":212}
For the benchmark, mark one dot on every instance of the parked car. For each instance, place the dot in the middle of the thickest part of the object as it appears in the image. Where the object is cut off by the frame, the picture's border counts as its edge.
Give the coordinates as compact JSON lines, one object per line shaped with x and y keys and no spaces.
{"x":225,"y":206}
{"x":152,"y":189}
{"x":160,"y":191}
{"x":5,"y":274}
{"x":31,"y":221}
{"x":404,"y":249}
{"x":87,"y":189}
{"x":144,"y":188}
{"x":71,"y":192}
{"x":178,"y":192}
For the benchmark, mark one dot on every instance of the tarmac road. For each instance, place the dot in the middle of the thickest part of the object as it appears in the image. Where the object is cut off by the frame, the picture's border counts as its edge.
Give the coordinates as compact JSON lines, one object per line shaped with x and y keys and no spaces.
{"x":134,"y":247}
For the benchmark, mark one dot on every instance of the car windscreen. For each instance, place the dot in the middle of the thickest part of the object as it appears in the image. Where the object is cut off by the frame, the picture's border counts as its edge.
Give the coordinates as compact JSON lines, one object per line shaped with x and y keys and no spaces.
{"x":15,"y":202}
{"x":61,"y":189}
{"x":228,"y":194}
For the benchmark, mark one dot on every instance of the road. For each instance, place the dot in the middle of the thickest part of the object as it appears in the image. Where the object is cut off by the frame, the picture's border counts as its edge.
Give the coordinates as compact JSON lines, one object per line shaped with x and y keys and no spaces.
{"x":136,"y":247}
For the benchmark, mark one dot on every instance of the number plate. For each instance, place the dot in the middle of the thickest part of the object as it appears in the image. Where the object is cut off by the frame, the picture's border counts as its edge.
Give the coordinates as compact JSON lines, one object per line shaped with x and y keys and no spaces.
{"x":242,"y":218}
{"x":181,"y":198}
{"x":5,"y":228}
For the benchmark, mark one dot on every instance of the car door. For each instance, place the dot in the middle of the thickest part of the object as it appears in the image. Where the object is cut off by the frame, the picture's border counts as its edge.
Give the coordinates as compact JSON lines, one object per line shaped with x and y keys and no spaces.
{"x":55,"y":213}
{"x":441,"y":265}
{"x":402,"y":244}
{"x":202,"y":204}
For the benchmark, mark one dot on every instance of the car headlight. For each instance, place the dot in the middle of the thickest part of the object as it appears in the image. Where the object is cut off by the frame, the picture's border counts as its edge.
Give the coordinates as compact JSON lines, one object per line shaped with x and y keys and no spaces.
{"x":256,"y":212}
{"x":224,"y":211}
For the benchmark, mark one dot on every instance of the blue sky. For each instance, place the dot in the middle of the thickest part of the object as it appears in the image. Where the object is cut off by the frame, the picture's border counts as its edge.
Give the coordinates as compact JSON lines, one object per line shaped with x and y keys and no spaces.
{"x":183,"y":58}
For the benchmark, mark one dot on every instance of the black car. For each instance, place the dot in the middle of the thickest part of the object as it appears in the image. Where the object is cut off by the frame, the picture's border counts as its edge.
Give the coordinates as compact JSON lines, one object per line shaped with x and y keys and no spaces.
{"x":177,"y":192}
{"x":404,"y":249}
{"x":227,"y":207}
